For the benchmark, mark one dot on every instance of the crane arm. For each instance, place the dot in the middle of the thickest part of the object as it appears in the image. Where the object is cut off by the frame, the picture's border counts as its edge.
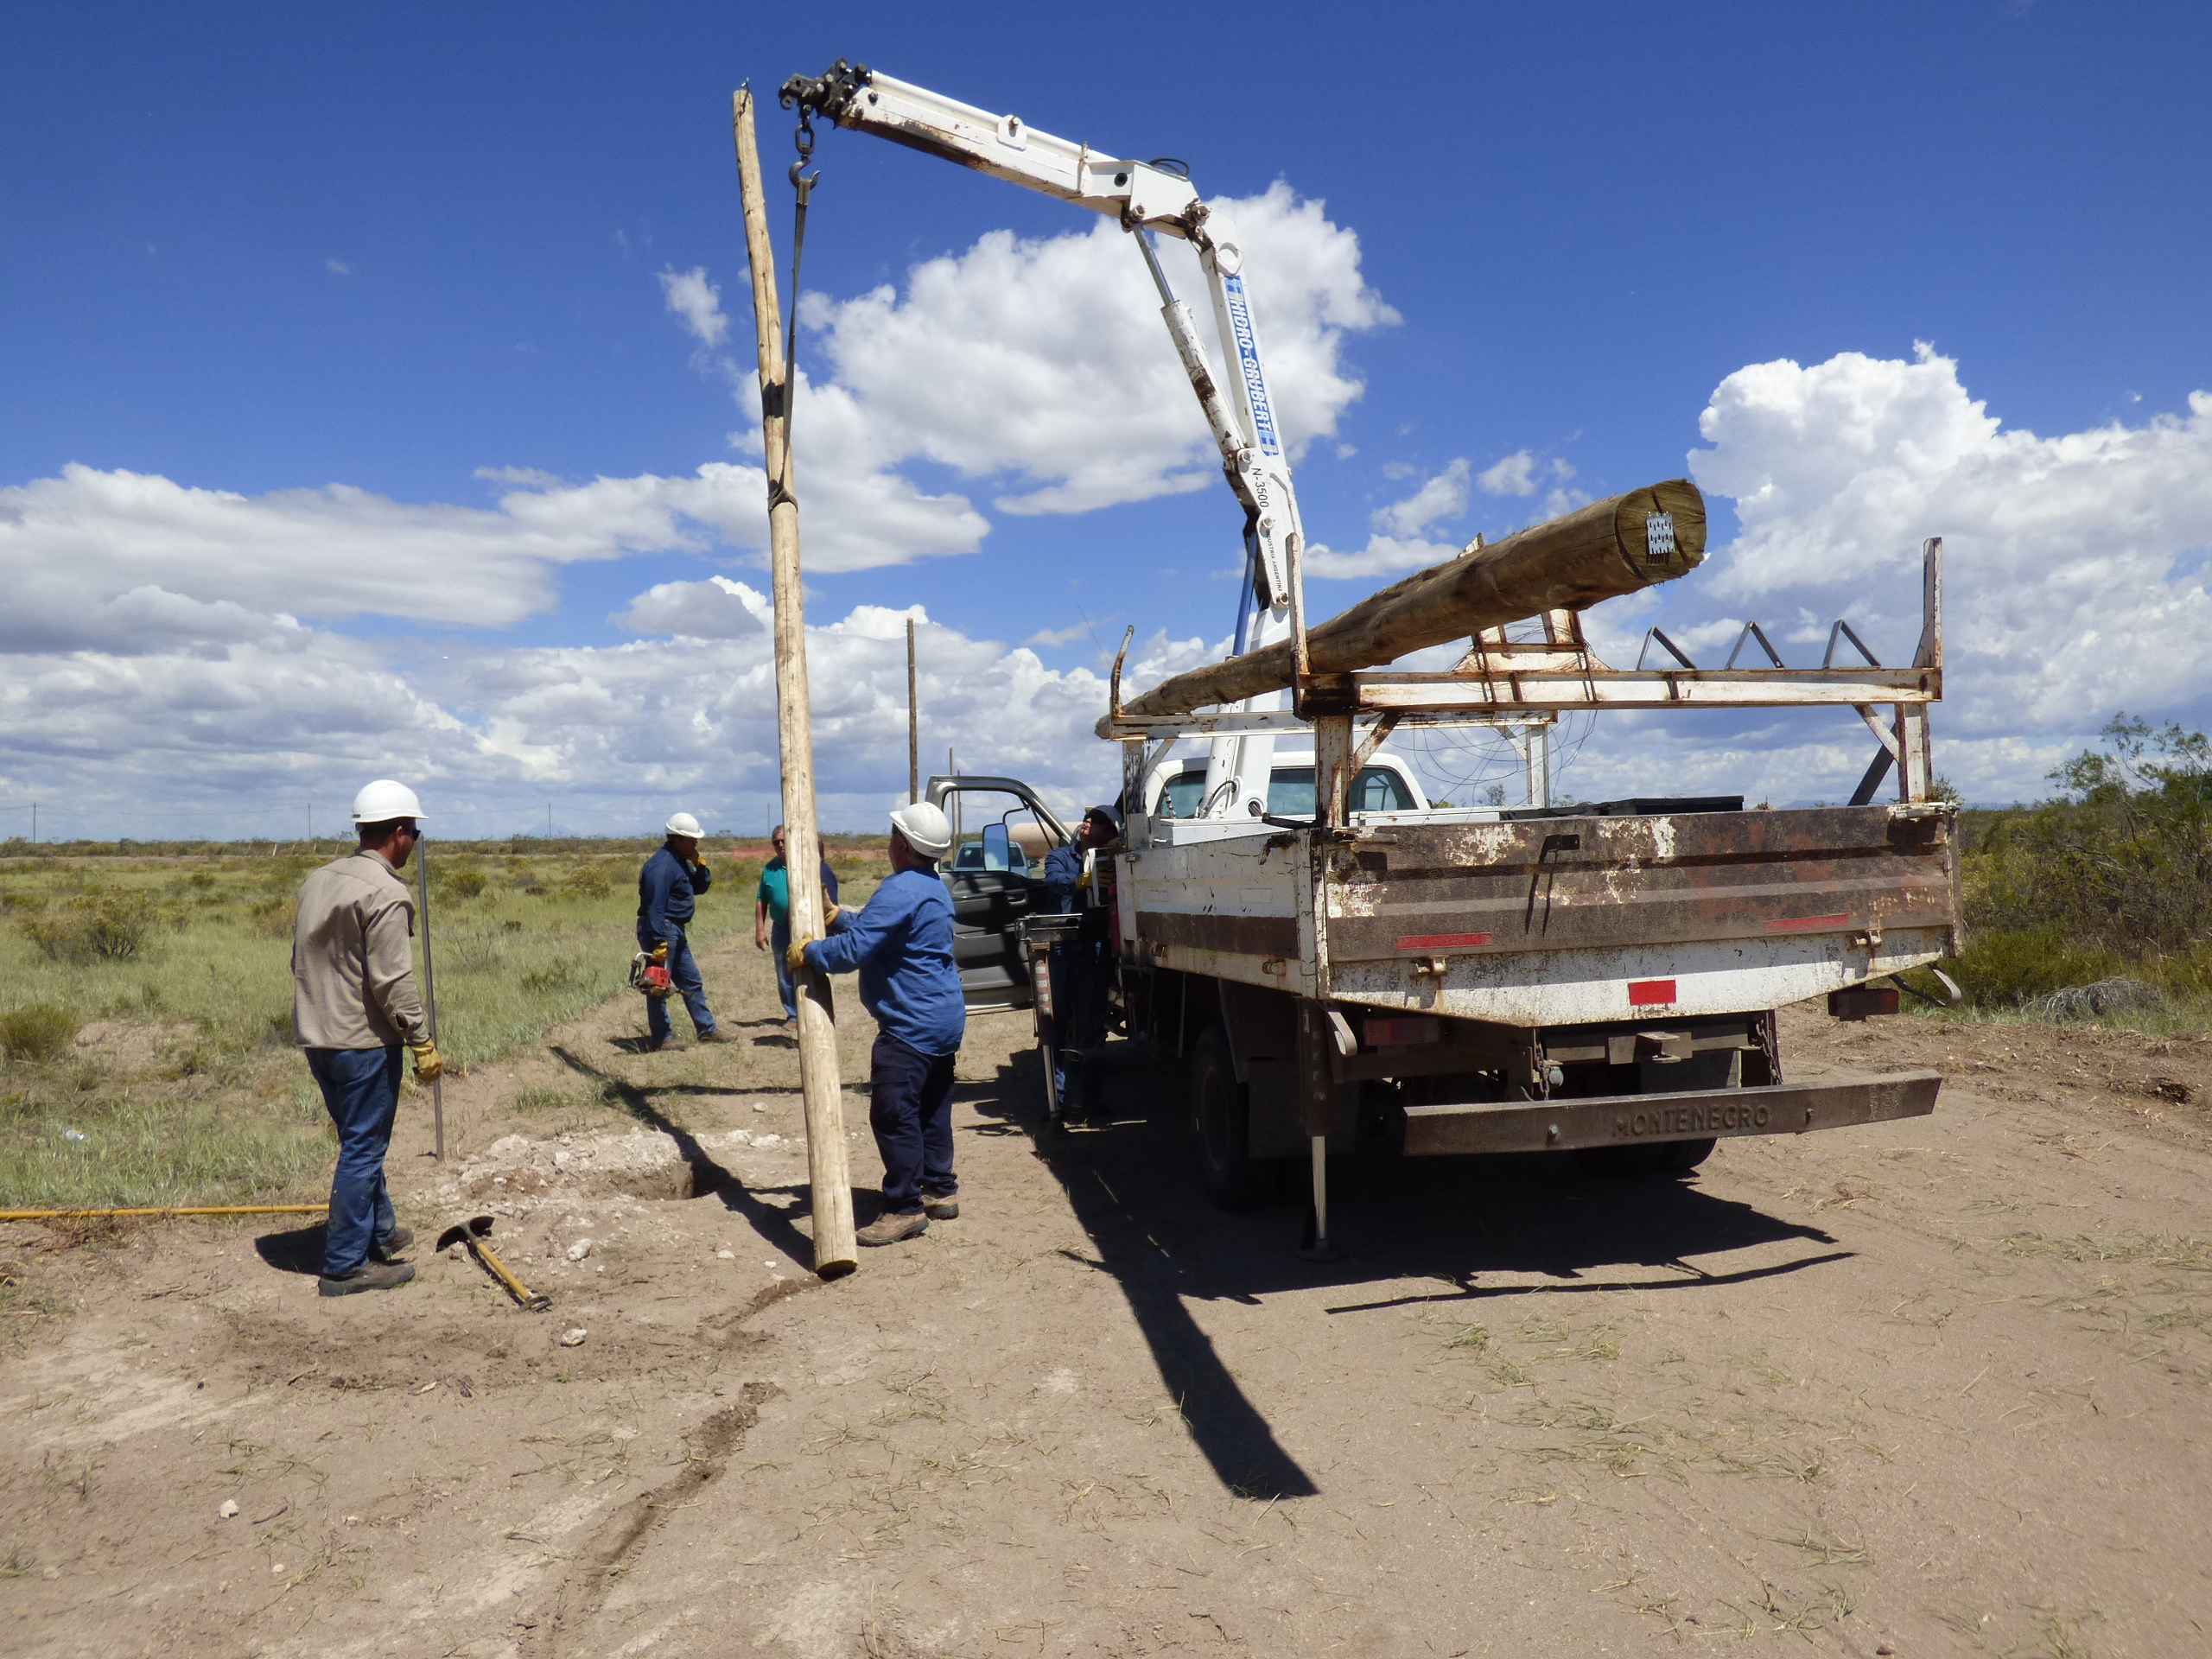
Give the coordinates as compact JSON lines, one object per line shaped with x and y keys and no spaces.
{"x":866,"y":100}
{"x":1145,"y":198}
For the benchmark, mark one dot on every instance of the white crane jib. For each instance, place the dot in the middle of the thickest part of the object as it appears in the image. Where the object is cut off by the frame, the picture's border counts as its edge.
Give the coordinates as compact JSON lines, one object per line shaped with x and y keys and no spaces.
{"x":1147,"y":197}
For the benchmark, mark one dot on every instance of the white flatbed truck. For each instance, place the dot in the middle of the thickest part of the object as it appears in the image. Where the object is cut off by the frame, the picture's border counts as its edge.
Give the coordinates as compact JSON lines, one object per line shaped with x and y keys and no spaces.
{"x":1601,"y":979}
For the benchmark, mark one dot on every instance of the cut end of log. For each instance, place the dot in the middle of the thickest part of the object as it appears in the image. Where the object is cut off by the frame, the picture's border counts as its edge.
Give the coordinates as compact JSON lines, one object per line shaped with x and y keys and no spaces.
{"x":1661,"y":531}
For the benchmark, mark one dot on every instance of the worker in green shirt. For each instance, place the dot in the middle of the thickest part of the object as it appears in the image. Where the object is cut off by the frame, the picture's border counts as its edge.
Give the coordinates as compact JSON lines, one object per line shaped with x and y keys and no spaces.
{"x":772,"y":917}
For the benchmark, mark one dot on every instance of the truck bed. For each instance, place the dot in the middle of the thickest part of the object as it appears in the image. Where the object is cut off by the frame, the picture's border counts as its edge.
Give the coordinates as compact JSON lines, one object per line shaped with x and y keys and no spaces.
{"x":1557,"y":920}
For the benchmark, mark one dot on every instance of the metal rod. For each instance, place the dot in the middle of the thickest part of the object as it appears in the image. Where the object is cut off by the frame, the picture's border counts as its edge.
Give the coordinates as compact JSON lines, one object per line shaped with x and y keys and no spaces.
{"x":914,"y":724}
{"x":430,"y":988}
{"x":167,"y":1210}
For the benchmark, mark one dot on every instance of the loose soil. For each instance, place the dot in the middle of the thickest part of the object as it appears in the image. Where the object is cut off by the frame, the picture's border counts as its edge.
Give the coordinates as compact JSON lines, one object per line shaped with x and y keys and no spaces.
{"x":1938,"y":1387}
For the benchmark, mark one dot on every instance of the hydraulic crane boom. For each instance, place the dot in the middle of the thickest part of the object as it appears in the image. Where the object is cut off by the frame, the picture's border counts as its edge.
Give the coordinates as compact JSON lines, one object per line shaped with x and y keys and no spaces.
{"x":1146,"y":198}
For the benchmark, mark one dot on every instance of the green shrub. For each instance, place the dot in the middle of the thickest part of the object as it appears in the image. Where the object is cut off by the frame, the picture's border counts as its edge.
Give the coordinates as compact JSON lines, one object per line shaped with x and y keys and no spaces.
{"x":39,"y":1033}
{"x":2006,"y":969}
{"x":115,"y":926}
{"x":462,"y":884}
{"x":53,"y":935}
{"x":587,"y":881}
{"x":2124,"y":864}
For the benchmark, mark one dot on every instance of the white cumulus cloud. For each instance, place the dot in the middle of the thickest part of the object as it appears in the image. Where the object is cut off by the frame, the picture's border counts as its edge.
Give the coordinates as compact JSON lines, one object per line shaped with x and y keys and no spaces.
{"x":2075,"y":575}
{"x":691,"y":297}
{"x":1042,"y":366}
{"x":1514,"y":475}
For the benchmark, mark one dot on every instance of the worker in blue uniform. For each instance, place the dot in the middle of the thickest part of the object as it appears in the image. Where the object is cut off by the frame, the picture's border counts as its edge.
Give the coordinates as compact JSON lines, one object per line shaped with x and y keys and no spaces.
{"x":668,"y":890}
{"x":1079,"y":967}
{"x":901,"y":943}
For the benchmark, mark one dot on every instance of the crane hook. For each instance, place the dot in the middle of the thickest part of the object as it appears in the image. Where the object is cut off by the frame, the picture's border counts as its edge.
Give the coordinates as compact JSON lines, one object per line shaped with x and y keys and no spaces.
{"x":802,"y":180}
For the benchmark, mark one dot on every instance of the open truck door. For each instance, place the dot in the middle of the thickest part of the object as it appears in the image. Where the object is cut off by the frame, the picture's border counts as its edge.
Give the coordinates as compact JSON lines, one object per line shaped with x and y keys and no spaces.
{"x":994,"y":871}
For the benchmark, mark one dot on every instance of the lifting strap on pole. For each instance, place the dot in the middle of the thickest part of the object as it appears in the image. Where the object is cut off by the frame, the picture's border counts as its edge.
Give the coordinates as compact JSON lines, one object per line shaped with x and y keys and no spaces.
{"x":803,"y":183}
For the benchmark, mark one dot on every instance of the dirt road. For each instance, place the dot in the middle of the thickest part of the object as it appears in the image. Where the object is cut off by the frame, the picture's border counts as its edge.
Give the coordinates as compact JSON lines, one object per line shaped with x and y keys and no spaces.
{"x":1938,"y":1388}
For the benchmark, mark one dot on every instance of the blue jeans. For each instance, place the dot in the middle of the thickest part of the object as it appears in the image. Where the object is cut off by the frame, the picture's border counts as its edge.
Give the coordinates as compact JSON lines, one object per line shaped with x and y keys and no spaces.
{"x":910,"y":1108}
{"x":360,"y":1091}
{"x":683,"y":973}
{"x":780,"y":941}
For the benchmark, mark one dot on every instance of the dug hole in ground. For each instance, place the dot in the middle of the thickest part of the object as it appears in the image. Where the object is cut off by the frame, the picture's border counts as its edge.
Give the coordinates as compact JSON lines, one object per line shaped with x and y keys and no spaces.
{"x":1936,"y":1386}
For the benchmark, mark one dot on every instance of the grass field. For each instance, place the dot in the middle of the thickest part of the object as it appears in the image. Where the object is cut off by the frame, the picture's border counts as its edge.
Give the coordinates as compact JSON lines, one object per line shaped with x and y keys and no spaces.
{"x":146,"y":1051}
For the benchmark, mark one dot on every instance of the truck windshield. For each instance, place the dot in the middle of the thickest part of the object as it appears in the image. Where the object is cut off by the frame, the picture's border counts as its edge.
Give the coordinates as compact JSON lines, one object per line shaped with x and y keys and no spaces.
{"x":1376,"y":789}
{"x":1290,"y":792}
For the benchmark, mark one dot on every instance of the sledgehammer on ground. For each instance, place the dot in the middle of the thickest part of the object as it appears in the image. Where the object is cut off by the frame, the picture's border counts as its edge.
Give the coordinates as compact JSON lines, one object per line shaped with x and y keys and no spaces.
{"x":477,"y":1227}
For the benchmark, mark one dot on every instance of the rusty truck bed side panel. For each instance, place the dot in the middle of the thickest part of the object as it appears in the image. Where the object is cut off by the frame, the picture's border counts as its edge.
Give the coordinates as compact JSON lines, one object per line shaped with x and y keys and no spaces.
{"x":1566,"y":884}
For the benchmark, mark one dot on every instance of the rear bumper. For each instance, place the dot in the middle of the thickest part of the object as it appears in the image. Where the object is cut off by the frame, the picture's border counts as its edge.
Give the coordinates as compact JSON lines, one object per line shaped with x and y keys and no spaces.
{"x":1622,"y":1120}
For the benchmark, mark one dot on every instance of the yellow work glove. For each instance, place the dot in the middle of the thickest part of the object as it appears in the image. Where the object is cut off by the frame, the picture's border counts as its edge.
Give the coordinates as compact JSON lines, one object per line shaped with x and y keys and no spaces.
{"x":795,"y":954}
{"x":830,"y":921}
{"x":429,"y":1065}
{"x":660,"y":955}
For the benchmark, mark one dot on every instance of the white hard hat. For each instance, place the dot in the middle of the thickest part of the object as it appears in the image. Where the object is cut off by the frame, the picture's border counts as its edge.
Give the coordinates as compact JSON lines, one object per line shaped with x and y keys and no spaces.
{"x":382,"y":801}
{"x":925,"y":827}
{"x":684,"y":824}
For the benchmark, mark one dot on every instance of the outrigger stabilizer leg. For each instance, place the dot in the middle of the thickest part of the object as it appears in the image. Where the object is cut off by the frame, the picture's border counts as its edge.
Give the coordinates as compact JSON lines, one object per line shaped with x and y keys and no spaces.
{"x":1314,"y":1039}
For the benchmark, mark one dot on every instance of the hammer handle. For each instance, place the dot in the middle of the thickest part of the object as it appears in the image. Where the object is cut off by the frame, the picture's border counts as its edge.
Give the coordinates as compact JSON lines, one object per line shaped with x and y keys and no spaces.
{"x":498,"y":1269}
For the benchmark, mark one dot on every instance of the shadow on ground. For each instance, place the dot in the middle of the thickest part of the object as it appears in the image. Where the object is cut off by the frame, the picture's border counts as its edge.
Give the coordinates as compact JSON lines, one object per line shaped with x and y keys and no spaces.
{"x":1131,"y":1180}
{"x":709,"y":1179}
{"x":297,"y":1250}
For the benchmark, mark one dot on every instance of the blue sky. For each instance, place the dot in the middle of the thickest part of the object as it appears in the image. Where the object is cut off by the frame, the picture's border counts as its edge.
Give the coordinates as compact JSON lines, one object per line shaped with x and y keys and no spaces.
{"x":265,"y":251}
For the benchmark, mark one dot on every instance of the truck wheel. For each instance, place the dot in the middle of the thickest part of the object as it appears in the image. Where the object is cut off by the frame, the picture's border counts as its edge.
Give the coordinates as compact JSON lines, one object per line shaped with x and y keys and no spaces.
{"x":1220,"y":1119}
{"x":1657,"y":1160}
{"x":1623,"y":1163}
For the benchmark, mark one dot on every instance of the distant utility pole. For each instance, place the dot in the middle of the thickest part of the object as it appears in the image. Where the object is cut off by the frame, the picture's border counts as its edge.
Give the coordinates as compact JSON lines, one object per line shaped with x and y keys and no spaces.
{"x":914,"y":724}
{"x":33,"y":823}
{"x":549,"y":820}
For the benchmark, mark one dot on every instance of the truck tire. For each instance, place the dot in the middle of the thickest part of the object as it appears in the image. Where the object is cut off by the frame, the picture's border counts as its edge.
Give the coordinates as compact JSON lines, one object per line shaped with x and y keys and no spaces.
{"x":1220,"y":1124}
{"x":1657,"y":1160}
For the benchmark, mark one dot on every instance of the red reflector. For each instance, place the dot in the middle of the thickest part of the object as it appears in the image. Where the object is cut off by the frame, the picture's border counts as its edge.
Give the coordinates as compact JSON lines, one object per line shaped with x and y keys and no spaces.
{"x":1405,"y":1030}
{"x":1441,"y":941}
{"x":1808,"y":923}
{"x":1649,"y":993}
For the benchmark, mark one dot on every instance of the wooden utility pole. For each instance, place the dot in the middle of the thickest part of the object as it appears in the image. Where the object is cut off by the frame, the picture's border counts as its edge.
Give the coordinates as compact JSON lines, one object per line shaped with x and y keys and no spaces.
{"x":914,"y":724}
{"x":1609,"y":547}
{"x":835,"y":1249}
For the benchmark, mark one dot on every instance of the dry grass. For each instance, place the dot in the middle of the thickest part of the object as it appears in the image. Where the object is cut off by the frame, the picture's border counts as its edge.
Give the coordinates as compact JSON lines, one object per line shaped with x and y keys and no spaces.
{"x":185,"y":1085}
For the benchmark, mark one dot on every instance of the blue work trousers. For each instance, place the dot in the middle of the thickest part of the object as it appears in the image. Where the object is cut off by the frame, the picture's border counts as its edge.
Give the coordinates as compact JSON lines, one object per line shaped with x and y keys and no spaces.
{"x":683,"y":974}
{"x":360,"y":1091}
{"x":910,"y":1108}
{"x":1080,"y":991}
{"x":779,"y":943}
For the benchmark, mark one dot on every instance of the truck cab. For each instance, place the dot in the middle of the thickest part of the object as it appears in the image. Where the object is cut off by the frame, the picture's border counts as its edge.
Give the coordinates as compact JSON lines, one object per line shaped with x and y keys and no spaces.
{"x":1175,"y":787}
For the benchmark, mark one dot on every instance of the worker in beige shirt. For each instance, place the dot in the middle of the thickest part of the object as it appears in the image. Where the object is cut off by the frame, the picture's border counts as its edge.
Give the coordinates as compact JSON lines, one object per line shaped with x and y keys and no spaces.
{"x":354,"y":1009}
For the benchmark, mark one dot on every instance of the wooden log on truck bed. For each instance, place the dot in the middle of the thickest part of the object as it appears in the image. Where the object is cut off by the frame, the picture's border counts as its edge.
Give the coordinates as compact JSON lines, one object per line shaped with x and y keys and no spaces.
{"x":1596,"y":552}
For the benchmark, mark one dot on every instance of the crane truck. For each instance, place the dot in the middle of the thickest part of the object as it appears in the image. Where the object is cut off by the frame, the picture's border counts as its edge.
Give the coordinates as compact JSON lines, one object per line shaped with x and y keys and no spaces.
{"x":1336,"y":961}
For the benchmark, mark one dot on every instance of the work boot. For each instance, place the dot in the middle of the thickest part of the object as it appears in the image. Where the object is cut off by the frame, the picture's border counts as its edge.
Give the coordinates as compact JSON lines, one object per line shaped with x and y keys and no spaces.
{"x":940,"y":1206}
{"x":388,"y":1248}
{"x":889,"y":1229}
{"x":673,"y":1045}
{"x":717,"y":1035}
{"x":373,"y":1276}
